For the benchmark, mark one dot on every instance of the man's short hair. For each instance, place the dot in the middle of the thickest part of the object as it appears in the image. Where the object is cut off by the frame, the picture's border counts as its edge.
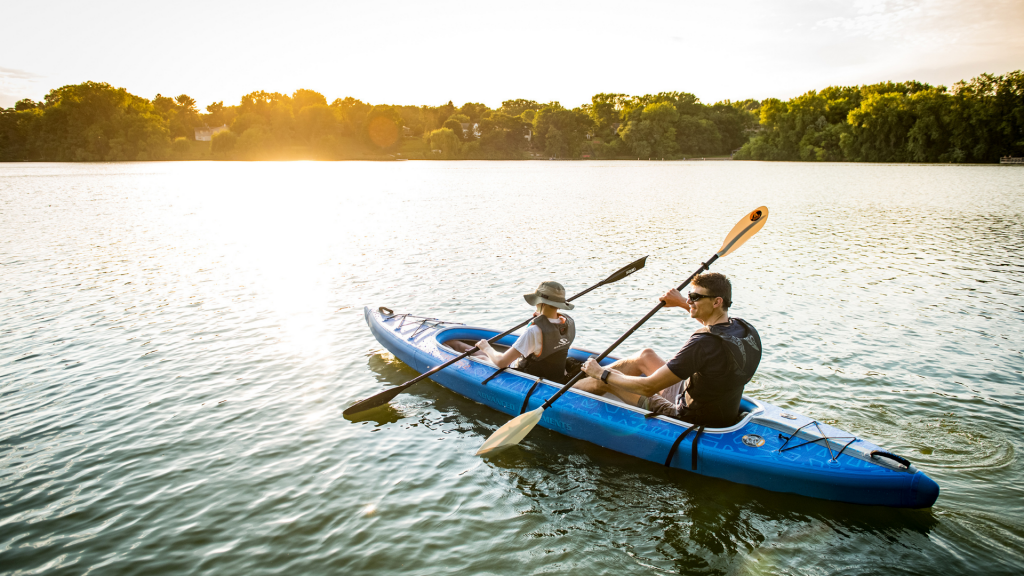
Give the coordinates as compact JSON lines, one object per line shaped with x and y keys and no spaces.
{"x":717,"y":285}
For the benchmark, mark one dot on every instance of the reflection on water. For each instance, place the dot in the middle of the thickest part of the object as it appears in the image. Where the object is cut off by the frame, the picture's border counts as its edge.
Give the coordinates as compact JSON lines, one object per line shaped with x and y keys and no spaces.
{"x":178,"y":341}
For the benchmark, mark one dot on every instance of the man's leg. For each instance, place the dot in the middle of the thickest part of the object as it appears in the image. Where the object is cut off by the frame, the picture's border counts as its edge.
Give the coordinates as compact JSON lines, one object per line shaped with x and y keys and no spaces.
{"x":643,"y":363}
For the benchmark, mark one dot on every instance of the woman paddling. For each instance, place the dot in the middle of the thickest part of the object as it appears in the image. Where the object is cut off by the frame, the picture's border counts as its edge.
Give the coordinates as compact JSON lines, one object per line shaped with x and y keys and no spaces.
{"x":541,"y":350}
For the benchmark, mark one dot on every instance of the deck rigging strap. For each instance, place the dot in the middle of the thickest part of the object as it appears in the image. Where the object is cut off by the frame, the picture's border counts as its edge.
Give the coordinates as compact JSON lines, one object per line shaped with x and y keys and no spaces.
{"x":834,"y":456}
{"x":695,"y":444}
{"x":528,"y":394}
{"x":491,"y":377}
{"x":424,"y":324}
{"x":390,"y":315}
{"x":675,"y":445}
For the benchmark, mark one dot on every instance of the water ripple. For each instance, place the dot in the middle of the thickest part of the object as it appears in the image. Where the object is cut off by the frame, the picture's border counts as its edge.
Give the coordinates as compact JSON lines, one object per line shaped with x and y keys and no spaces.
{"x":177,"y":343}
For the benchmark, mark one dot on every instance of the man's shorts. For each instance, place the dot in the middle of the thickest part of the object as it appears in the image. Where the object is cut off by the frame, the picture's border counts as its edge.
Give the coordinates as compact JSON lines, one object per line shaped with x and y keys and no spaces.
{"x":668,"y":402}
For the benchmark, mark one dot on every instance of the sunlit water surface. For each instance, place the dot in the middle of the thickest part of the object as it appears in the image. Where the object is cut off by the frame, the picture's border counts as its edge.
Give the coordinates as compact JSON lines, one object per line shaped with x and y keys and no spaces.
{"x":178,"y":341}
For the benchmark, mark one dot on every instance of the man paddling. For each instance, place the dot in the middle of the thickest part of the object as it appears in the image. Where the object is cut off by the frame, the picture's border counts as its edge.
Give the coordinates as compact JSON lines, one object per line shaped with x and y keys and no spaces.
{"x":703,"y":383}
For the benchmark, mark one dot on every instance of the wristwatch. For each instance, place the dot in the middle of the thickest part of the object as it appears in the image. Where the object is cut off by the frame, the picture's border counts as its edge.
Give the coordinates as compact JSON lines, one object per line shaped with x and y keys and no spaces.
{"x":604,"y":376}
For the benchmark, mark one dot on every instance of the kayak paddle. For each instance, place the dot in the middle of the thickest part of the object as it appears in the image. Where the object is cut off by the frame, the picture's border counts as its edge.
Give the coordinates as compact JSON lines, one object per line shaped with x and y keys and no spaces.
{"x":516,"y":429}
{"x":385,"y":396}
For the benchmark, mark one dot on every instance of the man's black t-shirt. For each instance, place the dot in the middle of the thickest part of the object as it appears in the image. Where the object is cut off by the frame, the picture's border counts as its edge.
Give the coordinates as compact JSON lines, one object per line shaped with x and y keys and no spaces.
{"x":702,"y":353}
{"x":712,"y":399}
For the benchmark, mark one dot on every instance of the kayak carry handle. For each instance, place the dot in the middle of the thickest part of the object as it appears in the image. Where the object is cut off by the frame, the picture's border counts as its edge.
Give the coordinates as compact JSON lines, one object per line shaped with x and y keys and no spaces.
{"x":891,"y":456}
{"x":386,"y":311}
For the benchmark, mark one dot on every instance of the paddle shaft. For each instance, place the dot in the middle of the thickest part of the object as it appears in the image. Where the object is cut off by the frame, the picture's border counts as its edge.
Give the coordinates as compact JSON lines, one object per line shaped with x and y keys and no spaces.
{"x":704,"y":266}
{"x":385,"y":396}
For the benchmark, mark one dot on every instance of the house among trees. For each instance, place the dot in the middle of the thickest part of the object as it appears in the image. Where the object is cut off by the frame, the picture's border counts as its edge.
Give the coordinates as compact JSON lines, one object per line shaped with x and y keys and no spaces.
{"x":205,"y":133}
{"x":471,"y":128}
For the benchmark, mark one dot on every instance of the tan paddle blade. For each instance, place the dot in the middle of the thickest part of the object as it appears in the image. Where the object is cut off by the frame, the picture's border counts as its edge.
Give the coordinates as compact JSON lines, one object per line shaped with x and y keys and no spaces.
{"x":747,"y":227}
{"x":512,"y":433}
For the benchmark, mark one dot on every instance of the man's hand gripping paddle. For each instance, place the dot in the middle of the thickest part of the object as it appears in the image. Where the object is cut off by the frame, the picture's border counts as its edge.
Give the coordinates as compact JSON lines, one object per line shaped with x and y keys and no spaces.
{"x":384,"y":397}
{"x":512,"y":433}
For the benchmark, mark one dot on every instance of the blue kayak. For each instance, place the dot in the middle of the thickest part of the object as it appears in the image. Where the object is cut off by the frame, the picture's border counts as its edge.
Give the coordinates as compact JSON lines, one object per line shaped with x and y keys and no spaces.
{"x":768,"y":447}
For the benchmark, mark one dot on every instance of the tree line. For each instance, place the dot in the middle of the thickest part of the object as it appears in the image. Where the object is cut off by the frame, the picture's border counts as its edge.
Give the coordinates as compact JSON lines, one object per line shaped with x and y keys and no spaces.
{"x":975,"y":121}
{"x":979,"y":120}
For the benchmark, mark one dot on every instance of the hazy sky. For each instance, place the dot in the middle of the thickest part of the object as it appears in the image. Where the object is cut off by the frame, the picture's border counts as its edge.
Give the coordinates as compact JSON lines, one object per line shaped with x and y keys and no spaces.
{"x":405,"y":52}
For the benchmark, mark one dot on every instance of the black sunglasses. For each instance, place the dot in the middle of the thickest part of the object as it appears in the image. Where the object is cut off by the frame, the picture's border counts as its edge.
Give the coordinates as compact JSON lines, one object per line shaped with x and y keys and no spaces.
{"x":693,"y":296}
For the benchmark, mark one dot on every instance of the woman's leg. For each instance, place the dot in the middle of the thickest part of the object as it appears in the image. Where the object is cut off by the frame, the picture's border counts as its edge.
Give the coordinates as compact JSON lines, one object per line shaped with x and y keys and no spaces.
{"x":460,"y":346}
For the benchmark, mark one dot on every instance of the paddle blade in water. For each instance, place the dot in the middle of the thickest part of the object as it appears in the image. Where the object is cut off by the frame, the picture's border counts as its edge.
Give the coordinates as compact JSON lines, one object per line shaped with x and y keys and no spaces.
{"x":512,"y":433}
{"x":626,"y":271}
{"x":373,"y":401}
{"x":743,"y":230}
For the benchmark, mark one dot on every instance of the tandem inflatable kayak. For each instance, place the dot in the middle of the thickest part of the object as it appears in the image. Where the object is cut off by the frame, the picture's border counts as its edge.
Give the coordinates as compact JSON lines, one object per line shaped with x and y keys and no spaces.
{"x":768,"y":447}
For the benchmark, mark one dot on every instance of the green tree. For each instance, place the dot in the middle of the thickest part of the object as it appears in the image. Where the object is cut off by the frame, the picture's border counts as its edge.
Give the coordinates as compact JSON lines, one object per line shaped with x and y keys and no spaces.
{"x":604,"y":111}
{"x":222,"y":147}
{"x":95,"y":121}
{"x":447,"y":142}
{"x":352,"y":114}
{"x":455,"y":126}
{"x":652,"y":133}
{"x":474,"y":111}
{"x":518,"y":106}
{"x":570,"y":129}
{"x":257,"y":143}
{"x":502,"y":136}
{"x":444,"y":112}
{"x":316,"y":125}
{"x":218,"y":115}
{"x":302,"y":98}
{"x":879,"y":128}
{"x":383,"y":127}
{"x":19,"y":130}
{"x":555,"y":144}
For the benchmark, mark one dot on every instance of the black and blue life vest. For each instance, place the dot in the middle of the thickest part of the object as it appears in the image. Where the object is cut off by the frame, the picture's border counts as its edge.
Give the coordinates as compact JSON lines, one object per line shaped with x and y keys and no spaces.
{"x":713,"y":399}
{"x":556,"y":340}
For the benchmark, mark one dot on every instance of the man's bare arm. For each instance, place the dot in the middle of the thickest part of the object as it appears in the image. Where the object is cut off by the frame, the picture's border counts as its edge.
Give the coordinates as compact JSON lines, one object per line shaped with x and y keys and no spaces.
{"x":642,"y":385}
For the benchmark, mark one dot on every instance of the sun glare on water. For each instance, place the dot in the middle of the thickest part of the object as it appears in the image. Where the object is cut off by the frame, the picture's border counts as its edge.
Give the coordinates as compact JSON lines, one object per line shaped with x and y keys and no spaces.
{"x":272,"y":226}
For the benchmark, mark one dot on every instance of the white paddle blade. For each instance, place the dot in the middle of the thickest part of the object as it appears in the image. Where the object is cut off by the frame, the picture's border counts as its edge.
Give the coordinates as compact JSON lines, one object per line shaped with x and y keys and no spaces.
{"x":512,"y":433}
{"x":743,"y":230}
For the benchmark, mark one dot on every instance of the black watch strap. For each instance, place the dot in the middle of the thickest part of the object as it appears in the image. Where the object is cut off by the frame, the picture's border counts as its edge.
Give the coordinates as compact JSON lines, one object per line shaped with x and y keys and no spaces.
{"x":604,"y":376}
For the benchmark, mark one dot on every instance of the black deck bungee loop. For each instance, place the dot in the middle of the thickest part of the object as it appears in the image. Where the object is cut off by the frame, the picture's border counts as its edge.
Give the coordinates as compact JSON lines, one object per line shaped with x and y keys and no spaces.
{"x":530,"y":393}
{"x":675,"y":445}
{"x":891,"y":456}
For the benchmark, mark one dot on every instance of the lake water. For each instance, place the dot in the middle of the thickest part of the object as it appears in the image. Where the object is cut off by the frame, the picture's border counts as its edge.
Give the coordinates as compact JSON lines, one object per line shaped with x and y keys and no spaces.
{"x":178,"y":342}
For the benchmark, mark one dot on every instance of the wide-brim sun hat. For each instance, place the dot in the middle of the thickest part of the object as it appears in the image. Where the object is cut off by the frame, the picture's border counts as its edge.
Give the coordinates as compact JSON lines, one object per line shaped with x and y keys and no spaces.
{"x":550,"y":293}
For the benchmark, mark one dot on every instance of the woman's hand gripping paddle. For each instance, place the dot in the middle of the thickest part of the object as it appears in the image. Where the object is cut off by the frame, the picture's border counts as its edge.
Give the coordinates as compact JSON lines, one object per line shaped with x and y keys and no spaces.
{"x":384,"y":397}
{"x":512,"y":433}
